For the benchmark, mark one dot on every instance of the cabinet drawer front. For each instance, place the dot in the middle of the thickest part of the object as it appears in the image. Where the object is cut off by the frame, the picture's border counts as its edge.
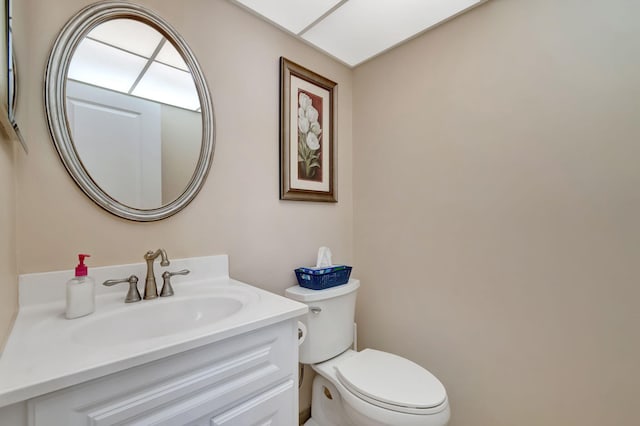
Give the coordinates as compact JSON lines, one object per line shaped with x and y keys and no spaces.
{"x":273,"y":407}
{"x":179,"y":389}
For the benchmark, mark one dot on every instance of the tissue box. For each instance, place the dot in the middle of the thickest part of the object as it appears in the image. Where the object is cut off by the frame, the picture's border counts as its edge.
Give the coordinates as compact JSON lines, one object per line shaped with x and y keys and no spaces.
{"x":325,"y":277}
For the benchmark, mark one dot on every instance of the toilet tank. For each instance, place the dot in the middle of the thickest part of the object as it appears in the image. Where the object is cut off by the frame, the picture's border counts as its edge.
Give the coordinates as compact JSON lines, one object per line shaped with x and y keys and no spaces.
{"x":329,"y":321}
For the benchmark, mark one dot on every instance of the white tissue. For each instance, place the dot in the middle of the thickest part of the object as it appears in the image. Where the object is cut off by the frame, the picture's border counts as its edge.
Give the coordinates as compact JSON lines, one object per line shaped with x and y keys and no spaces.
{"x":324,"y":257}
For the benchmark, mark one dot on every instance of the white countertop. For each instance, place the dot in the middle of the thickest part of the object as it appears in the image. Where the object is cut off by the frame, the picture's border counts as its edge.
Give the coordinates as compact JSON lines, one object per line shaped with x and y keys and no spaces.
{"x":44,"y":353}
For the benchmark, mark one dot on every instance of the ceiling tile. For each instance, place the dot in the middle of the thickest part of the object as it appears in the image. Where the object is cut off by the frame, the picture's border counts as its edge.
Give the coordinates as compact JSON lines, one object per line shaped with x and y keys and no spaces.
{"x":169,"y":55}
{"x":293,"y":15}
{"x":129,"y":35}
{"x":361,"y":29}
{"x":101,"y":65}
{"x":168,"y":85}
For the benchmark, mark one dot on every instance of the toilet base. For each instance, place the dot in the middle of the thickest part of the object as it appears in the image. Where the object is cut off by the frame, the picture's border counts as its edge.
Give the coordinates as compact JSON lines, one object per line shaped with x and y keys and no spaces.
{"x":326,"y":405}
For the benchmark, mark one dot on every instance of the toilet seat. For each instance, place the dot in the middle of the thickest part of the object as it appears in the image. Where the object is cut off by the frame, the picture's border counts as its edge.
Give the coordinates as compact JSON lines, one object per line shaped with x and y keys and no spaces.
{"x":391,"y":382}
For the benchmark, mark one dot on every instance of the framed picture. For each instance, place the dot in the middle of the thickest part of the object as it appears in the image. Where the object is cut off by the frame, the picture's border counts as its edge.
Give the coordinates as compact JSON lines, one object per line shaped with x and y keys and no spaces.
{"x":307,"y":135}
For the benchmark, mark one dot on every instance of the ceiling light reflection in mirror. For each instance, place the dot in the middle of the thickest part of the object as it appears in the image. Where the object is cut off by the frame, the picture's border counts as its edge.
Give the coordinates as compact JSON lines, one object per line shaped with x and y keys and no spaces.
{"x":130,"y":57}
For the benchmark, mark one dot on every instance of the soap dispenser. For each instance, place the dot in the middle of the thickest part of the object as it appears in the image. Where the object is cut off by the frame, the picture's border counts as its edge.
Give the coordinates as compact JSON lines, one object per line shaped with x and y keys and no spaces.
{"x":80,"y":292}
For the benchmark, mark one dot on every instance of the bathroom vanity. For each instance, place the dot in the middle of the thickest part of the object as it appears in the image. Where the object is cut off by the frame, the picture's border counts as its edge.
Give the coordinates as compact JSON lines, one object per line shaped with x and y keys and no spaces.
{"x":219,"y":352}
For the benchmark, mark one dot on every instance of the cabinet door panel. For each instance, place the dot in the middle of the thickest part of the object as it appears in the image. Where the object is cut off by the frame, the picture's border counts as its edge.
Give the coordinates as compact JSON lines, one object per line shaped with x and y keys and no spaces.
{"x":178,"y":390}
{"x":271,"y":408}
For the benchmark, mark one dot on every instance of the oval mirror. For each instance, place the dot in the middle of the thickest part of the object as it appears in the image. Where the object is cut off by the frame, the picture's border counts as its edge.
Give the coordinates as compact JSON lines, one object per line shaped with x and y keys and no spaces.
{"x":129,"y":111}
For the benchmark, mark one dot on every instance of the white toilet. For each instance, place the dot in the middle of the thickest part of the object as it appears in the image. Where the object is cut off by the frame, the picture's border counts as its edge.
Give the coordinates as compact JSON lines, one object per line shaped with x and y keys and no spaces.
{"x":367,"y":388}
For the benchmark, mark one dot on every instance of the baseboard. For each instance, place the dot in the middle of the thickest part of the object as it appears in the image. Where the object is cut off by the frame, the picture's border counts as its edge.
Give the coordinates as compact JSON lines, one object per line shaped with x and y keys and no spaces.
{"x":304,"y":415}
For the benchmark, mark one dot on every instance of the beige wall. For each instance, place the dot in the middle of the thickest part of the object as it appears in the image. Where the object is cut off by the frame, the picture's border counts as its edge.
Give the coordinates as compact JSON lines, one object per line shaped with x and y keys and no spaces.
{"x":496,"y":192}
{"x":238,"y":211}
{"x":497,"y":210}
{"x":8,"y":265}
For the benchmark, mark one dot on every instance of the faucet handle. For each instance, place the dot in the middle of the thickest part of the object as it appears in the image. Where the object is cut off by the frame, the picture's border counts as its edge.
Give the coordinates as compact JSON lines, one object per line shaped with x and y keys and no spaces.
{"x":167,"y":290}
{"x":133,"y":295}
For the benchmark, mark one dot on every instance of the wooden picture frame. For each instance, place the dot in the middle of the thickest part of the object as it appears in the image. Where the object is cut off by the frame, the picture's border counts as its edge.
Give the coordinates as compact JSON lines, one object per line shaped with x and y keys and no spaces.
{"x":307,"y":135}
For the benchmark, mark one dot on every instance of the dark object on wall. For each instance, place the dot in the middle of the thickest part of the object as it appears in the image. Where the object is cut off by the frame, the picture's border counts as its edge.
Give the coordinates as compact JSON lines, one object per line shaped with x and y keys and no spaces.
{"x":307,"y":135}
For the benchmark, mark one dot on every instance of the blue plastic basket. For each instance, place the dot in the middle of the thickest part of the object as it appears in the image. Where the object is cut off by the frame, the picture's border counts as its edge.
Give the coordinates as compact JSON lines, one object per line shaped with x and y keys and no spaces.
{"x":319,"y":279}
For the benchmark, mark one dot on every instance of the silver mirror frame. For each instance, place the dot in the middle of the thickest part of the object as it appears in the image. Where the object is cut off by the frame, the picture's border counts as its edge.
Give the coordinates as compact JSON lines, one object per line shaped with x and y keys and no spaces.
{"x":12,"y":77}
{"x":55,"y":104}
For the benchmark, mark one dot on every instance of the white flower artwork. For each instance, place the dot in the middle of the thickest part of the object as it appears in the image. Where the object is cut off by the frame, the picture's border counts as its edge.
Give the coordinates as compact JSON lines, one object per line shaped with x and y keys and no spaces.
{"x":309,"y":137}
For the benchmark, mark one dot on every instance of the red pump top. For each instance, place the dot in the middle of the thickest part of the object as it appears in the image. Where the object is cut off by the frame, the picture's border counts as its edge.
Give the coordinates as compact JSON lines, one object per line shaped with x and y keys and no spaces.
{"x":81,"y":269}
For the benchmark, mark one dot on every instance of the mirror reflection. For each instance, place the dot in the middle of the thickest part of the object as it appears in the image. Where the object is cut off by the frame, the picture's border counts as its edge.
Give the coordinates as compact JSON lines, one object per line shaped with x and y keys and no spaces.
{"x":133,"y":113}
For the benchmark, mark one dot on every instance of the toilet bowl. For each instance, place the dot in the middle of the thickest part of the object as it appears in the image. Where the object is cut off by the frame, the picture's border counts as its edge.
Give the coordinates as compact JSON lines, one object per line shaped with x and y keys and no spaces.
{"x":365,"y":398}
{"x":367,"y":388}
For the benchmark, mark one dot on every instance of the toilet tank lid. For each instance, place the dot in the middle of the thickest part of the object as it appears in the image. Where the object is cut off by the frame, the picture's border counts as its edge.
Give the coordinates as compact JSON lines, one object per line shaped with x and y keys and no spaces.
{"x":304,"y":295}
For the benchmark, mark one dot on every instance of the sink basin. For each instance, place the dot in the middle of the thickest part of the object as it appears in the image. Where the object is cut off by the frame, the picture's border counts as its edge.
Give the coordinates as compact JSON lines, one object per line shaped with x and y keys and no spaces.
{"x":157,"y":318}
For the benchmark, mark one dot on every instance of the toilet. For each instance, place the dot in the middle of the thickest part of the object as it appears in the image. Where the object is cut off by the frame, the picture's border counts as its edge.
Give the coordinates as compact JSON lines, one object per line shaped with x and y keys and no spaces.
{"x":367,"y":388}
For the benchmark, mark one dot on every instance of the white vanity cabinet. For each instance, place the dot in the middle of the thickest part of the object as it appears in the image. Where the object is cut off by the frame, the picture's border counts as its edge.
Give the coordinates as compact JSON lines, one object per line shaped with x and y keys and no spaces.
{"x":218,"y":353}
{"x":250,"y":379}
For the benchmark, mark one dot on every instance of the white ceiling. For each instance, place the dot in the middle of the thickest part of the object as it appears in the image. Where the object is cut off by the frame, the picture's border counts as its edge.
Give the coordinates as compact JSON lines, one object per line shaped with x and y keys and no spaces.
{"x":354,"y":31}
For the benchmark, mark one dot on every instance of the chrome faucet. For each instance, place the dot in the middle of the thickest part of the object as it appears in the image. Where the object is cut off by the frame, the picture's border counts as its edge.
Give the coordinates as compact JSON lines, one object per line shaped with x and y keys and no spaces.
{"x":150,"y":287}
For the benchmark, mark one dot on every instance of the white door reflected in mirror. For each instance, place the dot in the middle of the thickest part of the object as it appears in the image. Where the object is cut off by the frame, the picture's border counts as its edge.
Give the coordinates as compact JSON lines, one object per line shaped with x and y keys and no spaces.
{"x":134,"y":113}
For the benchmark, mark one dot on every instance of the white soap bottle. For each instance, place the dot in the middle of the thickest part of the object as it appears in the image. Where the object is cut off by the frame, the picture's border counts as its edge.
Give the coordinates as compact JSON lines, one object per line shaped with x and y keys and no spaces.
{"x":80,"y":292}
